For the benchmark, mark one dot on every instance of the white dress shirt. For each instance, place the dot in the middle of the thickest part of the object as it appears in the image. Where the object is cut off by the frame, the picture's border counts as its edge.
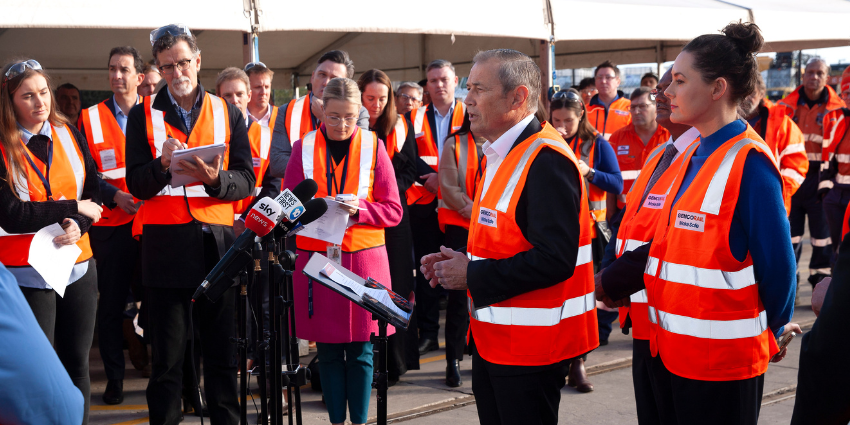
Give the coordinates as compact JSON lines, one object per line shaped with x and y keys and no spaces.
{"x":498,"y":150}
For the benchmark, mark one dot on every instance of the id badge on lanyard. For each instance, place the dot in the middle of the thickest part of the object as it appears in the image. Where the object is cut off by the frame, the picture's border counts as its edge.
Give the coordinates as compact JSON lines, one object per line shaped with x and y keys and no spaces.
{"x":44,"y":180}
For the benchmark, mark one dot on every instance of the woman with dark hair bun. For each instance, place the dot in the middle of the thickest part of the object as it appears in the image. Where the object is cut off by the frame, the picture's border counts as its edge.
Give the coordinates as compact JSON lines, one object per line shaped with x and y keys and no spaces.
{"x":720,"y":273}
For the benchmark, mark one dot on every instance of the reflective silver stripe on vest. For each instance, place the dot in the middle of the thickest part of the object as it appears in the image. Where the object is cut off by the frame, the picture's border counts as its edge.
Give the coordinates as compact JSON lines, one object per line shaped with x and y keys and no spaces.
{"x":400,"y":133}
{"x":842,"y":179}
{"x":714,"y":195}
{"x":508,"y":192}
{"x":158,"y":125}
{"x":794,"y":175}
{"x":96,"y":130}
{"x":295,"y":124}
{"x":114,"y":174}
{"x":712,"y":329}
{"x":367,"y":148}
{"x":308,"y":145}
{"x":520,"y":316}
{"x":792,"y":148}
{"x":618,"y":245}
{"x":419,"y":121}
{"x":70,"y":148}
{"x":651,"y":266}
{"x":630,"y":174}
{"x":597,"y":205}
{"x":652,"y":315}
{"x":632,"y":244}
{"x":639,"y":297}
{"x":707,"y":278}
{"x":658,"y":149}
{"x":813,"y":156}
{"x":430,"y":160}
{"x":265,"y":141}
{"x":219,"y":122}
{"x":474,"y":257}
{"x":585,"y":255}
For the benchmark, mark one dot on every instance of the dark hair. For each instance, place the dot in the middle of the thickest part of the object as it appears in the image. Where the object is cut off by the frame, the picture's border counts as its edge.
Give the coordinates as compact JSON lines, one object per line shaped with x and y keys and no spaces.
{"x":731,"y":56}
{"x":649,"y":75}
{"x":386,"y":121}
{"x":138,"y":63}
{"x":168,"y":41}
{"x":640,"y":91}
{"x":542,"y":113}
{"x":68,"y":86}
{"x":586,"y":82}
{"x":259,"y":69}
{"x":607,"y":64}
{"x":585,"y":132}
{"x":439,"y":63}
{"x":340,"y":57}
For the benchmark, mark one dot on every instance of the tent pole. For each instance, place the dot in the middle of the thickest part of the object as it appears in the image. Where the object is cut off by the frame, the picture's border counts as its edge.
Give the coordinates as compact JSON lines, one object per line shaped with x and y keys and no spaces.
{"x":247,"y":53}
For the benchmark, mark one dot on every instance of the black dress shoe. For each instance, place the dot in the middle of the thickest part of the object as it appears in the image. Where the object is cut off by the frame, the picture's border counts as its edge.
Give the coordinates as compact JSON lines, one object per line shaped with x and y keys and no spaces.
{"x":427,"y":345}
{"x":453,"y":374}
{"x":114,"y":393}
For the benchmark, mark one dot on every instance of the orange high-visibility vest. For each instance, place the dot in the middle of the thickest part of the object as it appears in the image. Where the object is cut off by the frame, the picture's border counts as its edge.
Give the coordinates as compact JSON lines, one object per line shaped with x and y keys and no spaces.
{"x":428,"y":151}
{"x":466,"y":156}
{"x":707,"y":319}
{"x":836,"y":145}
{"x":786,"y":142}
{"x":595,"y":196}
{"x":106,"y":144}
{"x":546,"y":325}
{"x":632,"y":154}
{"x":361,"y":158}
{"x":810,"y":120}
{"x":189,"y":203}
{"x":67,"y":176}
{"x":260,"y":137}
{"x":618,"y":116}
{"x":396,"y":138}
{"x":637,"y":227}
{"x":299,"y":119}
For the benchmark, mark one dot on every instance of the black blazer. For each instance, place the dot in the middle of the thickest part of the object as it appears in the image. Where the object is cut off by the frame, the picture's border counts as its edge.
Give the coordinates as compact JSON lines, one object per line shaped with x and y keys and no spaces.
{"x":173,"y":255}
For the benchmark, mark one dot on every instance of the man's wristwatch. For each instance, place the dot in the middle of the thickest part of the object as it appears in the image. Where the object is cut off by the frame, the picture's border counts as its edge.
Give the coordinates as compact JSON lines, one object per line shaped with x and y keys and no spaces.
{"x":590,"y":174}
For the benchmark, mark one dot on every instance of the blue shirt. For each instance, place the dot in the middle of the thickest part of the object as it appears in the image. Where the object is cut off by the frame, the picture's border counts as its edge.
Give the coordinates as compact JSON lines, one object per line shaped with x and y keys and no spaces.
{"x":27,"y":276}
{"x":121,"y":118}
{"x":34,"y":386}
{"x":759,"y":225}
{"x":186,"y":115}
{"x":443,"y":123}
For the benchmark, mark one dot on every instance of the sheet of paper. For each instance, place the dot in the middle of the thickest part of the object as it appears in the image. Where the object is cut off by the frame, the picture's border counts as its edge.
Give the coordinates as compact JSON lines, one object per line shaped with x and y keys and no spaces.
{"x":53,"y":262}
{"x":330,"y":227}
{"x":382,"y":296}
{"x":206,"y":153}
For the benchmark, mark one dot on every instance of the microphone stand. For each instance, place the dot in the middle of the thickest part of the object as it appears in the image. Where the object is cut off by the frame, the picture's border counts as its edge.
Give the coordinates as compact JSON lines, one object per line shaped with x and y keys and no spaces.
{"x":242,"y":343}
{"x":380,"y":380}
{"x":295,"y":375}
{"x":261,"y":335}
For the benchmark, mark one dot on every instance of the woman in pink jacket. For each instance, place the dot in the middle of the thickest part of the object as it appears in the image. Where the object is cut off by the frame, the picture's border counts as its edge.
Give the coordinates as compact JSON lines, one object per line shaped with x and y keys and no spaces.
{"x":343,"y":159}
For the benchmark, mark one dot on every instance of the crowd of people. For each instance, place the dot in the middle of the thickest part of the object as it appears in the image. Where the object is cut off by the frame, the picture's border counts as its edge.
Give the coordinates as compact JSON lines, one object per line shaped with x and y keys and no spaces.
{"x":534,"y":219}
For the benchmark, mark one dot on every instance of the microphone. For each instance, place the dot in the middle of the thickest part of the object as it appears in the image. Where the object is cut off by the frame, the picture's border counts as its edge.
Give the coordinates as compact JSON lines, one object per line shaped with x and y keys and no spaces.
{"x":315,"y":208}
{"x":261,"y":219}
{"x":293,"y":201}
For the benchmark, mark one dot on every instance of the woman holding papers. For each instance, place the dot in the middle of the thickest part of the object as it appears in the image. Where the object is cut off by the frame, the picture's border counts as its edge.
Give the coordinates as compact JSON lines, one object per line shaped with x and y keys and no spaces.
{"x":49,"y":182}
{"x":344,"y":160}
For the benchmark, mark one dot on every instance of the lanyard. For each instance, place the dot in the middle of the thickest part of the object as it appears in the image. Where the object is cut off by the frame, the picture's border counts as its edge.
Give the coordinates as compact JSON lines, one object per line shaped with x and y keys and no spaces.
{"x":332,"y":174}
{"x":44,"y":181}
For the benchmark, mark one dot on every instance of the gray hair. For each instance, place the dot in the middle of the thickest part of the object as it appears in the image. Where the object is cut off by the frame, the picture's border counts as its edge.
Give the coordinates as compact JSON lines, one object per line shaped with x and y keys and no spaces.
{"x":820,"y":59}
{"x":515,"y":69}
{"x":640,"y":91}
{"x":760,"y":85}
{"x":168,"y":41}
{"x":410,"y":84}
{"x":439,"y":63}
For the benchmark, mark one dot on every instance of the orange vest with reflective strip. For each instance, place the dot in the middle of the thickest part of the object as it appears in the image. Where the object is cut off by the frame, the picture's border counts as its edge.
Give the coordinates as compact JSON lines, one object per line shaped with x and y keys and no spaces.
{"x":428,"y":152}
{"x":595,"y":196}
{"x":810,"y":120}
{"x":106,"y":144}
{"x":67,"y":177}
{"x":786,"y":141}
{"x":546,"y":325}
{"x":707,"y":319}
{"x":618,"y":117}
{"x":261,"y":140}
{"x":396,"y":138}
{"x":466,"y":156}
{"x":299,"y":119}
{"x":637,"y":227}
{"x":632,"y":153}
{"x":836,"y":145}
{"x":361,"y":158}
{"x":189,"y":203}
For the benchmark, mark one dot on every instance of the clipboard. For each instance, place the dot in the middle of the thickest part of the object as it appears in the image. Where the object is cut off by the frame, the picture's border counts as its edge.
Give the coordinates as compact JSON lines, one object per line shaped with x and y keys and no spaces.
{"x":313,"y":270}
{"x":207,"y":153}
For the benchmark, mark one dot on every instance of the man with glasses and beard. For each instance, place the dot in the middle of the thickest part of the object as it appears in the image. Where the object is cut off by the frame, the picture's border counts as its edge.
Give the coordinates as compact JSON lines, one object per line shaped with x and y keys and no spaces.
{"x":186,"y":229}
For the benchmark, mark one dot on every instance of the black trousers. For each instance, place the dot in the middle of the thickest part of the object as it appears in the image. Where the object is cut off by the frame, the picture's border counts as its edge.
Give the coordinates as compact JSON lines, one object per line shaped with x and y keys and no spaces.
{"x":403,"y":347}
{"x":427,"y":239}
{"x":117,"y":254}
{"x":68,"y":323}
{"x":457,"y":312}
{"x":168,"y":324}
{"x":805,"y":201}
{"x":644,"y":383}
{"x":511,"y":397}
{"x":692,"y":402}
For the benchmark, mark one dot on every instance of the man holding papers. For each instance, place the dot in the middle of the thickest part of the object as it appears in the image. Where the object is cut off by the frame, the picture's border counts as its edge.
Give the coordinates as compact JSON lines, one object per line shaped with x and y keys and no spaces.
{"x":185,"y":230}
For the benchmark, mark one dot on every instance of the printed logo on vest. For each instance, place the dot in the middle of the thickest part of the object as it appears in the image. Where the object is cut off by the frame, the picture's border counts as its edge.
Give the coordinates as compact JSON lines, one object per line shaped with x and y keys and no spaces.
{"x":623,"y":150}
{"x":619,"y":112}
{"x":487,"y":217}
{"x":256,"y":162}
{"x":655,"y":202}
{"x":690,"y":221}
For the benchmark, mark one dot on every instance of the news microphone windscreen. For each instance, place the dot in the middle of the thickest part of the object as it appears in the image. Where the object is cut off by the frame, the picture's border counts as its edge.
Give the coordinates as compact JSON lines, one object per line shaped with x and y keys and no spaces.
{"x":315,"y":209}
{"x":263,"y":216}
{"x":306,"y":190}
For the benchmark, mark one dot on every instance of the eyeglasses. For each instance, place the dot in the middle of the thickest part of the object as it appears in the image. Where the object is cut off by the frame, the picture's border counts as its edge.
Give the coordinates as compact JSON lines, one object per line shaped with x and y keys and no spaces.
{"x":606,"y":77}
{"x":408,"y":97}
{"x":173,"y":29}
{"x":336,"y":121}
{"x":253,"y":64}
{"x":640,"y":107}
{"x":21,"y":67}
{"x":567,"y":95}
{"x":183,"y":65}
